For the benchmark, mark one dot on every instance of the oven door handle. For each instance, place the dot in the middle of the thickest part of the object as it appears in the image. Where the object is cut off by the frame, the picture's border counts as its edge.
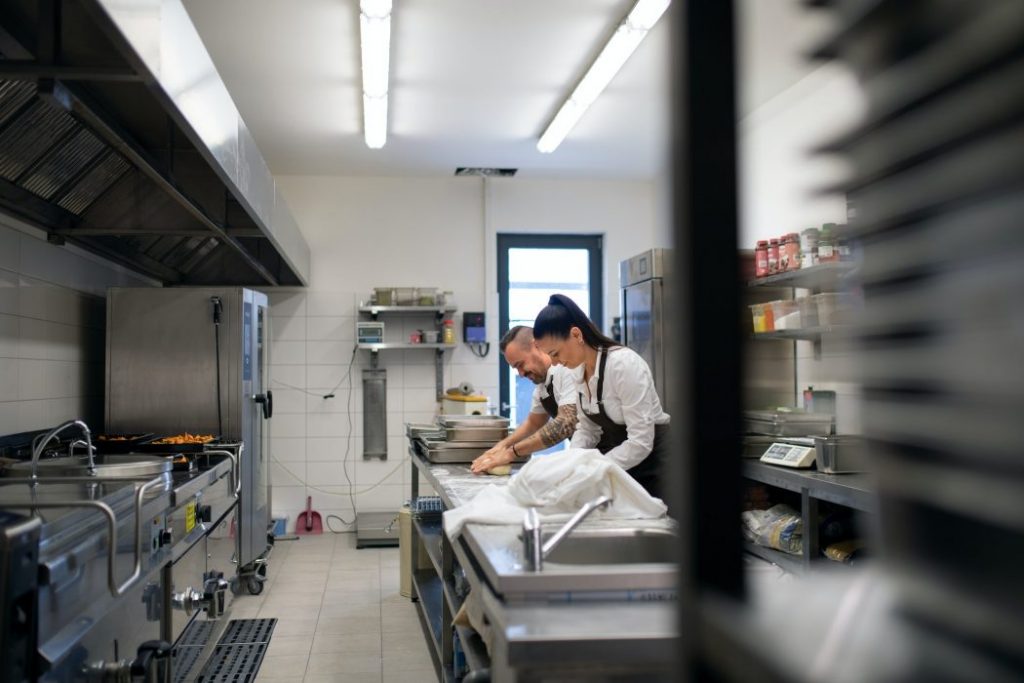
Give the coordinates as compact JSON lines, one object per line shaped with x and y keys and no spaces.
{"x":266,"y":402}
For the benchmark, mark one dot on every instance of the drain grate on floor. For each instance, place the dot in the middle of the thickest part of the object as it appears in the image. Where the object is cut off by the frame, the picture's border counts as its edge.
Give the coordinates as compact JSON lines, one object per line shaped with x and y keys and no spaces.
{"x":247,"y":631}
{"x":189,"y":648}
{"x":239,"y":652}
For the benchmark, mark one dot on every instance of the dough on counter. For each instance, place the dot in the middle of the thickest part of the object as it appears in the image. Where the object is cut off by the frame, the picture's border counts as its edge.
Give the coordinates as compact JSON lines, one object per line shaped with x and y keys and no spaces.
{"x":500,"y":470}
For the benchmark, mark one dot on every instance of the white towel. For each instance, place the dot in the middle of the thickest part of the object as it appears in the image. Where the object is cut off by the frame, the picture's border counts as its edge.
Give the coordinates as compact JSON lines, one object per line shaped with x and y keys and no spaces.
{"x":558,"y":485}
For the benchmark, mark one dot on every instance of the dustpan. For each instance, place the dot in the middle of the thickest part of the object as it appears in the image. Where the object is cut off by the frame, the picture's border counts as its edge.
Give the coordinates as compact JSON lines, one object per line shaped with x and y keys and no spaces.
{"x":309,"y":522}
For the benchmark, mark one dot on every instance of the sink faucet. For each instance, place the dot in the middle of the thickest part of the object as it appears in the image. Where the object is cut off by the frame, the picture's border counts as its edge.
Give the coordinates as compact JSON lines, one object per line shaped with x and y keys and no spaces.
{"x":39,"y":444}
{"x":534,"y":551}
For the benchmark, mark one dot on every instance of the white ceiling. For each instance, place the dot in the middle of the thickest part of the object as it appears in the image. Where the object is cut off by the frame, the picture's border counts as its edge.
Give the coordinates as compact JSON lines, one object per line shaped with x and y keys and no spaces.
{"x":473,"y":83}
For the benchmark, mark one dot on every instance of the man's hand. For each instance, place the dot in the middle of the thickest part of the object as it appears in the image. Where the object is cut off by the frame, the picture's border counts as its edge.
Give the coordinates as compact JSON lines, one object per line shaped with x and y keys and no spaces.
{"x":491,"y":459}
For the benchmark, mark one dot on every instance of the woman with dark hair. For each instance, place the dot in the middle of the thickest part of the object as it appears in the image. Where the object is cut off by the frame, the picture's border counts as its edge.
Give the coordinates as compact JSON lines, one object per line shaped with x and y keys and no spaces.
{"x":619,"y":410}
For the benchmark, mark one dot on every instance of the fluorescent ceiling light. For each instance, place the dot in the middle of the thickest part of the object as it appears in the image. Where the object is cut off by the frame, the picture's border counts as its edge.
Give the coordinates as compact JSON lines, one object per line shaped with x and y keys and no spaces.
{"x":375,"y":41}
{"x":620,"y":46}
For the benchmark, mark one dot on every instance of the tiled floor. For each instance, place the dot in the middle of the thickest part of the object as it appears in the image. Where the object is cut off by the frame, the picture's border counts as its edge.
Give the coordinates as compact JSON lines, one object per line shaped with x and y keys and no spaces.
{"x":340,"y":615}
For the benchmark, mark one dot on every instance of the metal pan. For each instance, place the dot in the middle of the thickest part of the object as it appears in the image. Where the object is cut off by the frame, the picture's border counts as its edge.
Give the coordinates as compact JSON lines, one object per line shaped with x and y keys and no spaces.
{"x":453,"y":451}
{"x":473,"y":421}
{"x":487,"y":435}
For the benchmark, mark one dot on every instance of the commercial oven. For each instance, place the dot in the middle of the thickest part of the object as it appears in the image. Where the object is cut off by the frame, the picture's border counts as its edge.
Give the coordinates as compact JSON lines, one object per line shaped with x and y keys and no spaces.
{"x":195,"y":359}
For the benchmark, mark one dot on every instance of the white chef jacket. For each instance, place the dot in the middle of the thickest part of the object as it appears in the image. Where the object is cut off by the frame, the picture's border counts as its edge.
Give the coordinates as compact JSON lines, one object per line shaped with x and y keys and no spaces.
{"x":629,"y":398}
{"x":563,"y":381}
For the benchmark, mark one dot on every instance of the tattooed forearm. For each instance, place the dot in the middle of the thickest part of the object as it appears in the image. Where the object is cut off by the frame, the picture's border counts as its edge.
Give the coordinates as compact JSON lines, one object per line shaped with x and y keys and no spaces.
{"x":561,"y":427}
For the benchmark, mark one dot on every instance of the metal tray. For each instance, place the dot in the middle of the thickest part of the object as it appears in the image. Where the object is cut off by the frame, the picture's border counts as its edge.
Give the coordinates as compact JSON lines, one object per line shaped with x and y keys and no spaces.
{"x":779,"y":423}
{"x":150,"y":447}
{"x":488,"y":435}
{"x":422,"y":429}
{"x":125,"y":443}
{"x":453,"y":451}
{"x":473,"y":421}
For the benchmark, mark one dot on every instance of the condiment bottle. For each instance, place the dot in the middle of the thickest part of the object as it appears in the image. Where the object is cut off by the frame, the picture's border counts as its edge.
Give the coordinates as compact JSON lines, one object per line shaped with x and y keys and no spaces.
{"x":761,"y":259}
{"x":448,"y":333}
{"x":773,"y":255}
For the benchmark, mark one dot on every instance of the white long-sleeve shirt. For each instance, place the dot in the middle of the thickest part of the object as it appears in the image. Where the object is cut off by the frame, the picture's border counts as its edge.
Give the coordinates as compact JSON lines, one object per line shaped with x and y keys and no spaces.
{"x":629,"y":398}
{"x":563,"y":381}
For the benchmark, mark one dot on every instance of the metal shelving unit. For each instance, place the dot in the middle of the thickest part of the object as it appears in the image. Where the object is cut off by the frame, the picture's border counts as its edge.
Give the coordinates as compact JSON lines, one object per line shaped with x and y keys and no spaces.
{"x":850,"y":490}
{"x":435,"y":585}
{"x":821,"y":276}
{"x":439,"y":313}
{"x":791,"y":563}
{"x":812,"y":334}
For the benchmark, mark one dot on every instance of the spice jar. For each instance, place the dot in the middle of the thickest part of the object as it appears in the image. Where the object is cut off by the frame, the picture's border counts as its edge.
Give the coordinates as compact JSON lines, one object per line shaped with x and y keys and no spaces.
{"x":793,"y":251}
{"x":809,"y":247}
{"x":773,"y":255}
{"x":761,"y":259}
{"x":448,"y":332}
{"x":826,"y":247}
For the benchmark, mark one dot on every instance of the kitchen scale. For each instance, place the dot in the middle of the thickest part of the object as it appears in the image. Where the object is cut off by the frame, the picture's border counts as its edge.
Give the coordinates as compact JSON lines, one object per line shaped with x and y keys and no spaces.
{"x":789,"y":455}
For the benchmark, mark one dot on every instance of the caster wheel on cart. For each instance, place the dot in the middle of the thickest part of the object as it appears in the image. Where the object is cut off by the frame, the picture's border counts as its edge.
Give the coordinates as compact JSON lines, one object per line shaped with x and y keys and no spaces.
{"x":254,"y":585}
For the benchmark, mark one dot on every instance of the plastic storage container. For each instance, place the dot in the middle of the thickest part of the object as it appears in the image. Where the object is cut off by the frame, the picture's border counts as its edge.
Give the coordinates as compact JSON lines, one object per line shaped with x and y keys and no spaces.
{"x":786,"y":314}
{"x":384,"y":296}
{"x":426,"y":296}
{"x":808,"y":311}
{"x":759,"y":320}
{"x":833,"y":307}
{"x":406,"y":296}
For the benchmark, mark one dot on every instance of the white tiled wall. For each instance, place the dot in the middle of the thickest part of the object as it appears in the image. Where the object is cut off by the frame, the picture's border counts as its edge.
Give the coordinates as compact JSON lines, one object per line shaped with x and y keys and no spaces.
{"x":52,"y":332}
{"x":316,"y":443}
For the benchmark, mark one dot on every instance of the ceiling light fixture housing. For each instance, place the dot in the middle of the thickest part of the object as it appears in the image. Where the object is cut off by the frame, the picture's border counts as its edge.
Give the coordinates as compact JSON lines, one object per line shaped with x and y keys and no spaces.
{"x":487,"y":172}
{"x":640,"y":20}
{"x":375,"y":43}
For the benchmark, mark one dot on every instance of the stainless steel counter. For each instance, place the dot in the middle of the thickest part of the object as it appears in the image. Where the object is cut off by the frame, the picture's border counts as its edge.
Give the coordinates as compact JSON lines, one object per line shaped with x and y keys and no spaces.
{"x":538,"y":633}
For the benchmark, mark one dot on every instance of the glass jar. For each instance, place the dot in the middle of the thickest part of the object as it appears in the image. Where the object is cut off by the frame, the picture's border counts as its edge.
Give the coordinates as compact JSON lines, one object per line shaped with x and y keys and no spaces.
{"x":448,"y":332}
{"x":761,"y":259}
{"x":773,"y":255}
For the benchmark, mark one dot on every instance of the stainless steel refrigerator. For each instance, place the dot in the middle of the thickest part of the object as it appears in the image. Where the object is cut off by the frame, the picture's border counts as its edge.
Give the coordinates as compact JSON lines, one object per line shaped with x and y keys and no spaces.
{"x":195,"y":359}
{"x":642,"y":279}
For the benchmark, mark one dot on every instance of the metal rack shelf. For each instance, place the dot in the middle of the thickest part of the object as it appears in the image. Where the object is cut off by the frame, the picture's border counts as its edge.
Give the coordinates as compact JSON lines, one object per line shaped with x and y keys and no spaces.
{"x":804,"y":334}
{"x":430,"y":533}
{"x":427,"y":585}
{"x":791,"y":563}
{"x":850,"y":490}
{"x":403,"y":345}
{"x":437,"y":310}
{"x":474,"y":649}
{"x":821,"y":276}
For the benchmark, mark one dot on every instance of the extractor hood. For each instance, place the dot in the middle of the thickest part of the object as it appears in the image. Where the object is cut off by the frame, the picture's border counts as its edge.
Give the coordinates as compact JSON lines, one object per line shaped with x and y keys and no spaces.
{"x":117,"y":135}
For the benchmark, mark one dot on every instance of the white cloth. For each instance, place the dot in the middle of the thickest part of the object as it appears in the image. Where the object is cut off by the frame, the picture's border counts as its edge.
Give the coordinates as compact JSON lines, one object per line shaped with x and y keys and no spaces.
{"x":563,"y":381}
{"x":558,"y":485}
{"x":629,"y":398}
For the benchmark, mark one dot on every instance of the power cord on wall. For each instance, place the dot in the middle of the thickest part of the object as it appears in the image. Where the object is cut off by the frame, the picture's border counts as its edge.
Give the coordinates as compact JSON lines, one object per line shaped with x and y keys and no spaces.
{"x":348,"y":447}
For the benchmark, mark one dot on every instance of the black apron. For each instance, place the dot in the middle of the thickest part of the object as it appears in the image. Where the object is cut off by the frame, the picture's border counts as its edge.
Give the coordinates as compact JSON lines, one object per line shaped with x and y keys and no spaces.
{"x":648,"y":472}
{"x":548,"y":402}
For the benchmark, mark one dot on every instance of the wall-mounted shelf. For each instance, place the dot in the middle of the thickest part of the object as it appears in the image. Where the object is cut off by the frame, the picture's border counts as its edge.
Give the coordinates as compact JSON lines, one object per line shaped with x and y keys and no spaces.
{"x":375,"y":310}
{"x":388,"y":346}
{"x":439,"y":313}
{"x":822,"y":276}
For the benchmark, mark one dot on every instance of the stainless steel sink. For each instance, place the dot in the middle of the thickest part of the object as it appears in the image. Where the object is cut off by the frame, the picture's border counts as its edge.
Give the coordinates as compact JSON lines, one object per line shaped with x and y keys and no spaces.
{"x":615,"y":546}
{"x":618,"y":562}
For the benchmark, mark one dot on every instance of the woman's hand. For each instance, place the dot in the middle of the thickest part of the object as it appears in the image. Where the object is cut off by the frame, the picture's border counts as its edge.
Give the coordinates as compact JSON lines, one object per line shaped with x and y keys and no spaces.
{"x":492,"y":459}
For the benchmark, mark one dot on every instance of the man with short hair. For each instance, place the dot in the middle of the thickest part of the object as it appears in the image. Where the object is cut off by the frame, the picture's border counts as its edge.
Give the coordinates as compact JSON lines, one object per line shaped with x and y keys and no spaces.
{"x":552,"y":415}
